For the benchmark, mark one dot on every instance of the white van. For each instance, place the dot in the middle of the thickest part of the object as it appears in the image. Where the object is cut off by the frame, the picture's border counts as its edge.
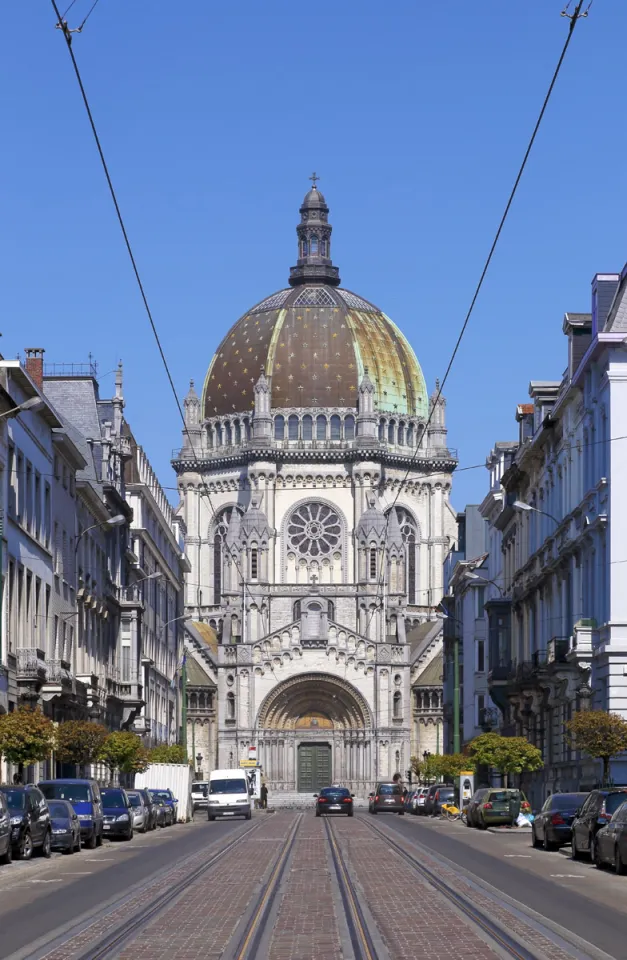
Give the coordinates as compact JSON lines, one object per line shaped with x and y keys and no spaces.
{"x":229,"y":795}
{"x":200,"y":789}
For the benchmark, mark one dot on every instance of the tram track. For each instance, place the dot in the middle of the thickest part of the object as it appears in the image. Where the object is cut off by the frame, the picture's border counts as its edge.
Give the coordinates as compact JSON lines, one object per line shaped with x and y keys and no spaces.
{"x":358,"y":927}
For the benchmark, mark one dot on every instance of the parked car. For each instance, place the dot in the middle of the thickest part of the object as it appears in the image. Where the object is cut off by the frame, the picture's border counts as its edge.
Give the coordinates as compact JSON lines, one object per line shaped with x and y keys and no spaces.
{"x":409,"y":799}
{"x":200,"y":790}
{"x":552,"y":827}
{"x":66,"y":827}
{"x":151,"y":808}
{"x":30,"y":821}
{"x":388,"y":798}
{"x":332,"y":800}
{"x":493,"y":810}
{"x":429,"y":799}
{"x":596,"y":812}
{"x":418,"y":802}
{"x":117,"y":815}
{"x":471,"y":810}
{"x":139,"y":812}
{"x":168,"y":798}
{"x":611,"y":842}
{"x":84,"y":795}
{"x":6,"y":852}
{"x":165,"y":815}
{"x":445,"y":794}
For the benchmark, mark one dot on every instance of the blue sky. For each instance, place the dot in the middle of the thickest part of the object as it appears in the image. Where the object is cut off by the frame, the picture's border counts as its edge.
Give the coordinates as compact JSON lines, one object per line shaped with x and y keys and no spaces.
{"x":415,"y":115}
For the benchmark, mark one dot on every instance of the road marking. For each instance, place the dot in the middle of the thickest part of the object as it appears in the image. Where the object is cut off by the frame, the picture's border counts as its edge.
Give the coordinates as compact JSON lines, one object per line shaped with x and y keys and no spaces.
{"x":568,"y":876}
{"x":519,"y":856}
{"x":98,"y":860}
{"x":58,"y":880}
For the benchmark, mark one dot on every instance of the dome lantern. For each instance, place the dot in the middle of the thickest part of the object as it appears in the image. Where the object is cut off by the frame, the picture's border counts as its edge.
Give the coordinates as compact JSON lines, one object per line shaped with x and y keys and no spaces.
{"x":314,"y":243}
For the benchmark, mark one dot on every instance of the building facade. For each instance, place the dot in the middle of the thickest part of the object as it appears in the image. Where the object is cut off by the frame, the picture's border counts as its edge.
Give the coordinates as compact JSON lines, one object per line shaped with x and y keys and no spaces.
{"x":316,"y":505}
{"x":558,"y":640}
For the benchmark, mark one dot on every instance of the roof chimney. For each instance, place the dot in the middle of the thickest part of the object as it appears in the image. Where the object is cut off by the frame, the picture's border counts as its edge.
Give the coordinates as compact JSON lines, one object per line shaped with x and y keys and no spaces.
{"x":34,"y":365}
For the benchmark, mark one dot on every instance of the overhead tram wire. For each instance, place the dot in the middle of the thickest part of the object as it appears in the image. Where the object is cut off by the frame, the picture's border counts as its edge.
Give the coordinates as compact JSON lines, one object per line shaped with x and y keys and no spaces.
{"x":573,"y":18}
{"x":67,"y":34}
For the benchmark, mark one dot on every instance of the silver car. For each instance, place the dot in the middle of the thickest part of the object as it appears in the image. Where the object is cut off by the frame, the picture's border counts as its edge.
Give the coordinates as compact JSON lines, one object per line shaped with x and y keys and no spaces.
{"x":138,"y":811}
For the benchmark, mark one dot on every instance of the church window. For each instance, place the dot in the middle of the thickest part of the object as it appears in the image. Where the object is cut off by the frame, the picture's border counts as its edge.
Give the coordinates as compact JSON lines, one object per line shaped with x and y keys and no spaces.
{"x":314,"y":530}
{"x":254,"y":563}
{"x":227,"y":433}
{"x":237,"y":433}
{"x":279,"y":427}
{"x":410,"y":539}
{"x":324,"y":248}
{"x":410,"y":435}
{"x":401,"y":434}
{"x":381,"y":429}
{"x":296,"y":610}
{"x":218,"y":545}
{"x":349,"y":428}
{"x":397,"y":706}
{"x":292,"y":427}
{"x":218,"y":434}
{"x":307,"y":427}
{"x":230,"y":706}
{"x":314,"y":245}
{"x":391,"y":431}
{"x":321,"y":428}
{"x":336,"y":427}
{"x":246,"y":429}
{"x":304,"y":248}
{"x":373,"y":563}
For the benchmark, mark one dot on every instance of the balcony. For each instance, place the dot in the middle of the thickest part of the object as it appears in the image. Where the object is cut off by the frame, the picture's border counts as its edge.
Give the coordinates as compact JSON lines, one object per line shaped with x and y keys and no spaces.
{"x":59,"y":680}
{"x":557,"y":650}
{"x":31,"y":665}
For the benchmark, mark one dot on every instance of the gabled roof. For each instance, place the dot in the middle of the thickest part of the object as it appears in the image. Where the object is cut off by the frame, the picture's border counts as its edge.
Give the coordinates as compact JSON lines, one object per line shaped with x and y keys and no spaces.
{"x":197,"y":676}
{"x":432,"y":674}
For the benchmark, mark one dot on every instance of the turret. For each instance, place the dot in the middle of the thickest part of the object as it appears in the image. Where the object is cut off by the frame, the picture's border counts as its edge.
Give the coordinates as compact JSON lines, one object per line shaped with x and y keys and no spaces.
{"x":437,"y":427}
{"x":262,"y":420}
{"x":192,"y":433}
{"x":314,"y":243}
{"x":366,"y":417}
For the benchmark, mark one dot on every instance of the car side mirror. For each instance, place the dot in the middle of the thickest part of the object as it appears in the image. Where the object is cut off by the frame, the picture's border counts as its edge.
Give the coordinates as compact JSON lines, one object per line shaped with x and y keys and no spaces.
{"x":352,"y":795}
{"x":176,"y":800}
{"x":315,"y":795}
{"x":371,"y":794}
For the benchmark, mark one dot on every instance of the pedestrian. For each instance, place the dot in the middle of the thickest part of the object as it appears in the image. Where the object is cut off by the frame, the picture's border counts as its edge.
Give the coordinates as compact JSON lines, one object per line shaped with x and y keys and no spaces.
{"x":17,"y":780}
{"x":264,"y":796}
{"x":514,"y":807}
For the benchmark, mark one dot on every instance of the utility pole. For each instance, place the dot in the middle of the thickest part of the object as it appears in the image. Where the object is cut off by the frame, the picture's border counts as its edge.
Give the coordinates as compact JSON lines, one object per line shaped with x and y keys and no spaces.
{"x":184,"y":703}
{"x":456,"y":747}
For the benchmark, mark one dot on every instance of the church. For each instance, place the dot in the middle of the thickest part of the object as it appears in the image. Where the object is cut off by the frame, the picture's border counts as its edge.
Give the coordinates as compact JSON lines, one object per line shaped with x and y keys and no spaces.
{"x":315,"y":478}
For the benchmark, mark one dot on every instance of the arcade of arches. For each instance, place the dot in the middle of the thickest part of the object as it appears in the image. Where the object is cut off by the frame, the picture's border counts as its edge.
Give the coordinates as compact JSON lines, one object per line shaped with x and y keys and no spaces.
{"x":314,"y":730}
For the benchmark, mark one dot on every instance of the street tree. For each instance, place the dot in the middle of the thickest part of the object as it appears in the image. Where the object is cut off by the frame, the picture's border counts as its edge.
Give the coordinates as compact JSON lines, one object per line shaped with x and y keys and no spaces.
{"x":506,"y":754}
{"x":441,"y":766}
{"x":26,"y":736}
{"x":80,"y":742}
{"x":600,"y":734}
{"x":124,"y":751}
{"x":168,"y":753}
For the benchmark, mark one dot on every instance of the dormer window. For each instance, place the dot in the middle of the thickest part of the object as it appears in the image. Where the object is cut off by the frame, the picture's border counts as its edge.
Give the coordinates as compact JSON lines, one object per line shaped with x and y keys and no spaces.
{"x":314,"y":245}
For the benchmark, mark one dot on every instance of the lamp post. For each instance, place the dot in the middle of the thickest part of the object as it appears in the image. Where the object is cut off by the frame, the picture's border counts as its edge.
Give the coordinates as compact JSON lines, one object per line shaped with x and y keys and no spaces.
{"x":33,"y":403}
{"x":198,"y":763}
{"x":183,"y":681}
{"x":469,"y":575}
{"x":523,"y":507}
{"x":456,"y":706}
{"x":115,"y":521}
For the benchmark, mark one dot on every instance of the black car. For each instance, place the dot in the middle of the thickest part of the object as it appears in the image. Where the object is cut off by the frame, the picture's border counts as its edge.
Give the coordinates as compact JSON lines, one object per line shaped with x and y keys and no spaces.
{"x":30,"y":821}
{"x":152,"y":808}
{"x":6,"y":853}
{"x":471,"y":809}
{"x":611,"y":842}
{"x":436,"y":797}
{"x":334,"y":800}
{"x":66,"y":827}
{"x":596,"y":812}
{"x":552,"y":828}
{"x":117,"y":813}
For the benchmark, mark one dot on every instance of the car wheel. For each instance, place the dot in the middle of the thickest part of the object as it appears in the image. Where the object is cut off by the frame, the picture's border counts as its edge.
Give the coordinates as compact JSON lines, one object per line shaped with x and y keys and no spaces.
{"x":350,"y":813}
{"x":595,"y":855}
{"x":401,"y":813}
{"x":249,"y":815}
{"x":26,"y":847}
{"x":46,"y":847}
{"x":546,"y":843}
{"x":373,"y":810}
{"x":99,"y":838}
{"x":79,"y":843}
{"x":8,"y":856}
{"x":92,"y":841}
{"x":574,"y":852}
{"x":534,"y":838}
{"x":210,"y":818}
{"x":619,"y":866}
{"x":481,"y":824}
{"x":69,"y":850}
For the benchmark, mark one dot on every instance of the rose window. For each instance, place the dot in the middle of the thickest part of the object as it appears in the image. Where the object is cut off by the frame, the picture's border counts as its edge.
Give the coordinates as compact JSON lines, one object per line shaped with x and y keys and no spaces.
{"x":314,"y":530}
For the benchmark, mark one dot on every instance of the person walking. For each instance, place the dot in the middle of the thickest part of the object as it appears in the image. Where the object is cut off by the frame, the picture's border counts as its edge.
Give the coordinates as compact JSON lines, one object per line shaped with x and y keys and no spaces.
{"x":264,"y":796}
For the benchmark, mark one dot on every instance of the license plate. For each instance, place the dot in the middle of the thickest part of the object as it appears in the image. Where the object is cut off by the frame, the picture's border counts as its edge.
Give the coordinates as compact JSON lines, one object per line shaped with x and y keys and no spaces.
{"x":228,"y":813}
{"x":335,"y":806}
{"x":390,"y":801}
{"x":106,"y":826}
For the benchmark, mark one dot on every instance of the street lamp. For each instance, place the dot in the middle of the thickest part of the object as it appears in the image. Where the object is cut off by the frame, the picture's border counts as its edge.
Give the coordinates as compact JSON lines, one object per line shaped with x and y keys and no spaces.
{"x":33,"y":403}
{"x":183,"y":681}
{"x":115,"y":521}
{"x":475,"y":576}
{"x":456,"y":692}
{"x":523,"y":507}
{"x":198,"y":761}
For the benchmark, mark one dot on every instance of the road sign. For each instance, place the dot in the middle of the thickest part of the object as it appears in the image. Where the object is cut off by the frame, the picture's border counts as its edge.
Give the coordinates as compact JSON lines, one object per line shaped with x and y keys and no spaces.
{"x":248,"y":763}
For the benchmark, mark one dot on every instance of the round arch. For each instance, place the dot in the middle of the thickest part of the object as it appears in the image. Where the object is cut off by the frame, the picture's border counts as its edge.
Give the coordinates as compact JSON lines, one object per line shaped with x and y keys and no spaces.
{"x":316,"y":695}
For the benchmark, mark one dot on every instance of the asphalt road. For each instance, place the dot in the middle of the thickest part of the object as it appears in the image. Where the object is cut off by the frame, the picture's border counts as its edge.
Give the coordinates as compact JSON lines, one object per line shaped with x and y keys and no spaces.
{"x":589,"y":902}
{"x":40,"y":896}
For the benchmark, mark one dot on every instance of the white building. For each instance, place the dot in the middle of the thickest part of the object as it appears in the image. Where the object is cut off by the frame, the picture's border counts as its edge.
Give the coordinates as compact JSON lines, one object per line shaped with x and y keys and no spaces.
{"x":317,"y":513}
{"x":561,"y":643}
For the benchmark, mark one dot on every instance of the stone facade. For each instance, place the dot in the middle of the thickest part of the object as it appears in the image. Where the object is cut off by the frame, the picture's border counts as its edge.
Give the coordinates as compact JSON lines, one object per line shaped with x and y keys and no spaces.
{"x":316,"y":533}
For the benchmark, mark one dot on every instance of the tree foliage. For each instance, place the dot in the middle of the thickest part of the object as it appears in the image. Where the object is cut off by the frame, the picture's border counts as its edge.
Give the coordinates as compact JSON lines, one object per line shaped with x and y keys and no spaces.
{"x":80,"y":742}
{"x":600,"y":734}
{"x":168,"y":753}
{"x":125,"y":752}
{"x":441,"y":766}
{"x":26,"y":736}
{"x":506,"y":754}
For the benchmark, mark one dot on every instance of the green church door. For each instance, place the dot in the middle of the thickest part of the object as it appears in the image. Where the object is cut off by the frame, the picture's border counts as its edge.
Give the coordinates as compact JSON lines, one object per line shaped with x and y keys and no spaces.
{"x":314,"y":767}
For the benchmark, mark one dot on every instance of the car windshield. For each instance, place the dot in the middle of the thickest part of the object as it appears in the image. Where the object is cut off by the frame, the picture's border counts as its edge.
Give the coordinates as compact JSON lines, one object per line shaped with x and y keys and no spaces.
{"x":113,"y":798}
{"x":613,"y":801}
{"x":498,"y":796}
{"x":200,"y":788}
{"x":16,"y":799}
{"x":567,"y":801}
{"x":134,"y":799}
{"x":390,"y":788}
{"x":334,"y":791}
{"x":74,"y":792}
{"x":228,"y":786}
{"x":59,"y":810}
{"x":161,"y":794}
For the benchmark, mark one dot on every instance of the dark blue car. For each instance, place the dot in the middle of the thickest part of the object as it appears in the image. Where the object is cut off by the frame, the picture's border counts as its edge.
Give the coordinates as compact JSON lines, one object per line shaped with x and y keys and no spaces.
{"x":117,"y":813}
{"x":66,"y":827}
{"x":167,"y":797}
{"x":84,"y":795}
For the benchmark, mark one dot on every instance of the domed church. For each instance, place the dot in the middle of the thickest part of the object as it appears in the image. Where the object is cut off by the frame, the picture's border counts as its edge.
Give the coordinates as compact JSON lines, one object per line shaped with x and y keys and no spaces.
{"x":316,"y":503}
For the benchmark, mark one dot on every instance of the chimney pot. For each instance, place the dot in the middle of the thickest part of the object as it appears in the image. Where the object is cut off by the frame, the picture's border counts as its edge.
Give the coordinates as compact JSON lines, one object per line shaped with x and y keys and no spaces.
{"x":34,"y":365}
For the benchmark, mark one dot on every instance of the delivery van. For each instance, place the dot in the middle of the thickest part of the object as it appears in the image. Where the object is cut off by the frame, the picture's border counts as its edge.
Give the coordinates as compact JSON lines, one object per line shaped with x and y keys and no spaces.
{"x":229,"y":795}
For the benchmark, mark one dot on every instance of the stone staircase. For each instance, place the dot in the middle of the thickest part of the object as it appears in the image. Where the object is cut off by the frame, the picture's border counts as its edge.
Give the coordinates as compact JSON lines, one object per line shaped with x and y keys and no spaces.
{"x":288,"y":800}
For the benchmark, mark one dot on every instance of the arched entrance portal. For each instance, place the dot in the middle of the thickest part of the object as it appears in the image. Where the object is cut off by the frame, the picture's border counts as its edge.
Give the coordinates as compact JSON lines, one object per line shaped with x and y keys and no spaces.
{"x":314,"y":730}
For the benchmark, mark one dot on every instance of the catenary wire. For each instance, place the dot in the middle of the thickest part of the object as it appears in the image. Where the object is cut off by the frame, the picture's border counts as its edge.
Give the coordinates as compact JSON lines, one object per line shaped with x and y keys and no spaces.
{"x":574,"y":18}
{"x":68,"y":42}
